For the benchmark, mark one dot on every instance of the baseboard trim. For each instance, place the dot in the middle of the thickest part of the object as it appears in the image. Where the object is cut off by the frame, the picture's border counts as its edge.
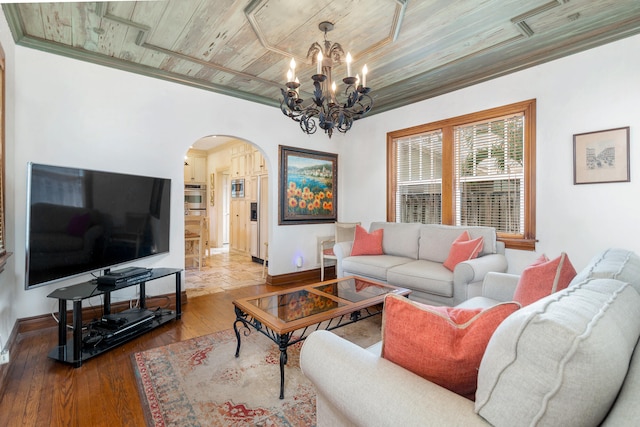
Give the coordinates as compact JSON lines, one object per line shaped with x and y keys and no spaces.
{"x":29,"y":324}
{"x":4,"y":369}
{"x":43,"y":321}
{"x":301,"y":276}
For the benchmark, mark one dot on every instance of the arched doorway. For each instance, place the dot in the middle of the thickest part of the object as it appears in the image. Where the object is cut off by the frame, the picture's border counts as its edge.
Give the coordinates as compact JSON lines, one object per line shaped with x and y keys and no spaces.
{"x":236,"y":183}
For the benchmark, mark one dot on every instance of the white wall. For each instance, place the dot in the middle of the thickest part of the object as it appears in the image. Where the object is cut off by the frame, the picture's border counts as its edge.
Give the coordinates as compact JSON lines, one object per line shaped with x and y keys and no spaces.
{"x":594,"y":90}
{"x":8,"y":278}
{"x":217,"y":160}
{"x":73,"y":113}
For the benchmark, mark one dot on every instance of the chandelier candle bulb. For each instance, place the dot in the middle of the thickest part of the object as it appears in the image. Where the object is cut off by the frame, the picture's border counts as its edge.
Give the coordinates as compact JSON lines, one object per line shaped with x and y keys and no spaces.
{"x":364,"y":75}
{"x":319,"y":63}
{"x":348,"y":64}
{"x":289,"y":76}
{"x":293,"y":69}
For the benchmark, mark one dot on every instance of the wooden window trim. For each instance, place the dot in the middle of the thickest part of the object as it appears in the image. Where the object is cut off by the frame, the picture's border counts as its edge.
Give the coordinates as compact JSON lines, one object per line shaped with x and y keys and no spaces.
{"x":526,"y":242}
{"x":4,"y":255}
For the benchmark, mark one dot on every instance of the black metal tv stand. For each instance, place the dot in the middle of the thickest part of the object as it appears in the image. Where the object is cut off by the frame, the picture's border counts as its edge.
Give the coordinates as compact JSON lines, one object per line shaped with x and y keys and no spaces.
{"x":77,"y":351}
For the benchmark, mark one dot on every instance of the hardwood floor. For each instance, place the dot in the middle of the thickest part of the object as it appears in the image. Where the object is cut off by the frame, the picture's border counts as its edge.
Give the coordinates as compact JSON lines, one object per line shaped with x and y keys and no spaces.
{"x":103,"y":391}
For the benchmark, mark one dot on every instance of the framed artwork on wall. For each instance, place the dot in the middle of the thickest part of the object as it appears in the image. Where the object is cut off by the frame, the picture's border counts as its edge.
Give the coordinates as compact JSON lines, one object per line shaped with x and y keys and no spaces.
{"x":308,"y":183}
{"x":601,"y":156}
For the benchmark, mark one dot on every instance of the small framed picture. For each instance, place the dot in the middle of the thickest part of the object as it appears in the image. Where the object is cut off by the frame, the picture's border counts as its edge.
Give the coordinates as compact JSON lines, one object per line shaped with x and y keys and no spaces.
{"x":601,"y":156}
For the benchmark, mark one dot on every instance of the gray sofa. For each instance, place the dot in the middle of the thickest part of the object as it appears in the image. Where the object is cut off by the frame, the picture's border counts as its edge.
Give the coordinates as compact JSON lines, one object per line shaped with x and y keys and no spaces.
{"x":413,"y":258}
{"x":567,"y":359}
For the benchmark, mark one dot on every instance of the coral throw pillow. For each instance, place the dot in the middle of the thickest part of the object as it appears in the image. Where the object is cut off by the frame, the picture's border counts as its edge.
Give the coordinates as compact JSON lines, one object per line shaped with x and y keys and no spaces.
{"x":441,"y":344}
{"x":543,"y":278}
{"x":463,"y":249}
{"x":367,"y":243}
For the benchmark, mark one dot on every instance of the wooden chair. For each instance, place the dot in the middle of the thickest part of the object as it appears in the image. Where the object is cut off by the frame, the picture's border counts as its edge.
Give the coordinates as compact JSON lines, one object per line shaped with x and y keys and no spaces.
{"x":195,"y":228}
{"x":344,"y":232}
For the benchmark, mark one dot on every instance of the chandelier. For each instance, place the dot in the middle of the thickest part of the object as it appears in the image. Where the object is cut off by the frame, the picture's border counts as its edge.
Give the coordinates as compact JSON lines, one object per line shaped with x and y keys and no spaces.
{"x":324,"y":110}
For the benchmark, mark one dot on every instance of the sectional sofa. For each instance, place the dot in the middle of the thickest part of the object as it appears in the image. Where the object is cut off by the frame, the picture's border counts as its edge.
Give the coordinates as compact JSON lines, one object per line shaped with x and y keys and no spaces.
{"x":567,"y":359}
{"x":413,"y":258}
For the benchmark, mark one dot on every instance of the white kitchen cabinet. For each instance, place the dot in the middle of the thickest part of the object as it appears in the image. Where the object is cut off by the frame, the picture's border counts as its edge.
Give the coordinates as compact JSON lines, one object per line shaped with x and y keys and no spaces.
{"x":196,"y":169}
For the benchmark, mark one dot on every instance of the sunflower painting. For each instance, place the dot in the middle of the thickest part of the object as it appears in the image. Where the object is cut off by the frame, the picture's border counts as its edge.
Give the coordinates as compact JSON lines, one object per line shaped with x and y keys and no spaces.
{"x":308,"y":183}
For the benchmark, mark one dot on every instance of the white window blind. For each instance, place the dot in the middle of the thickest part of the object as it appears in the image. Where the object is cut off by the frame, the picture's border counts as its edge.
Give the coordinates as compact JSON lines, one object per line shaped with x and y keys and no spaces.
{"x":419,"y":178}
{"x":489,"y":176}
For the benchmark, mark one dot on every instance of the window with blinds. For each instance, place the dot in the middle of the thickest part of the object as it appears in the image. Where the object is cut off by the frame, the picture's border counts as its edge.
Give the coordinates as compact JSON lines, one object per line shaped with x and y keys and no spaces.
{"x":473,"y":170}
{"x":419,"y":178}
{"x":489,"y":176}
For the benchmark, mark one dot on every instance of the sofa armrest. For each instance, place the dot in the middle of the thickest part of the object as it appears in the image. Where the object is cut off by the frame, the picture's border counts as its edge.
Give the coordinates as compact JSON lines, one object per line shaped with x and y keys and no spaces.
{"x":473,"y":271}
{"x":500,"y":286}
{"x":341,"y":250}
{"x":366,"y":390}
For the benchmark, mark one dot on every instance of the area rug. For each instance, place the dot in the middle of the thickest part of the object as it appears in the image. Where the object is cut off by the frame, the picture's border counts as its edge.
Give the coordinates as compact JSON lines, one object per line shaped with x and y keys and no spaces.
{"x":200,"y":382}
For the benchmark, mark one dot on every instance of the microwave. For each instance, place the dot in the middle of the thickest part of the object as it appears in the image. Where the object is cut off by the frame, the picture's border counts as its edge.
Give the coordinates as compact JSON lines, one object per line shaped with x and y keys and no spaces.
{"x":195,"y":196}
{"x":237,"y":188}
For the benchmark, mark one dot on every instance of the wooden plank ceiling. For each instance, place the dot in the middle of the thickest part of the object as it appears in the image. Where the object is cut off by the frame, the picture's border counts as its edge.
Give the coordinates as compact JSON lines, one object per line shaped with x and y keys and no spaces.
{"x":414,"y":49}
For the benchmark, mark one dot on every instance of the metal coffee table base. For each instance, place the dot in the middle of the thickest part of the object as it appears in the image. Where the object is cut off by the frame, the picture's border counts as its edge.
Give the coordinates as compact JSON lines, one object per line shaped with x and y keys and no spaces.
{"x":287,"y":339}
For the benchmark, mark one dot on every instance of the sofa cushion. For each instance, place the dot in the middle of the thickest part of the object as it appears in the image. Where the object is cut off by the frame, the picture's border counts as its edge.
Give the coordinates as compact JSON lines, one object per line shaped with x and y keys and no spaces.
{"x":436,"y":240}
{"x":375,"y":267}
{"x":626,"y":407}
{"x":614,"y":263}
{"x":399,"y":239}
{"x":441,"y":344}
{"x":420,"y":275}
{"x":543,"y":278}
{"x":463,"y":249}
{"x":367,"y":243}
{"x":562,"y":359}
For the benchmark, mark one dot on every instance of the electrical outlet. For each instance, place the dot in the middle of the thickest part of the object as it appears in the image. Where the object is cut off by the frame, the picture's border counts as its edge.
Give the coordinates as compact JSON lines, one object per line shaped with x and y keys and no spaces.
{"x":4,"y":357}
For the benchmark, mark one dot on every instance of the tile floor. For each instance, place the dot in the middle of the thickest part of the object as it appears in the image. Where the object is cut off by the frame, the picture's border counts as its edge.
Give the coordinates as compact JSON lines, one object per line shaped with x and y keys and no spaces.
{"x":223,"y":269}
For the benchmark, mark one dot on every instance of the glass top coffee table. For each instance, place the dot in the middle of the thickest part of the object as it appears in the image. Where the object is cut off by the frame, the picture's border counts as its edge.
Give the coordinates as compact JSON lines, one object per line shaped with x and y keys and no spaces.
{"x":289,"y":316}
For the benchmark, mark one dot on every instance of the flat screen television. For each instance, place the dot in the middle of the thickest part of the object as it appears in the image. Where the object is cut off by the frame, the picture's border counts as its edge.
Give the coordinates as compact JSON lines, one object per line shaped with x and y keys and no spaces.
{"x":80,"y":221}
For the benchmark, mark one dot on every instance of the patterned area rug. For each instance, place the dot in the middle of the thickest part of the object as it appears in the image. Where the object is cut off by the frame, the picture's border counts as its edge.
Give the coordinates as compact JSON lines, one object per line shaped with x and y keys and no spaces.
{"x":200,"y":382}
